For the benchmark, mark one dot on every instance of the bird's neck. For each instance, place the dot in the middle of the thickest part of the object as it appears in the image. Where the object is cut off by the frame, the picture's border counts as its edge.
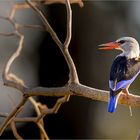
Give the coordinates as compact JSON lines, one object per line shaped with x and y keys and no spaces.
{"x":130,"y":54}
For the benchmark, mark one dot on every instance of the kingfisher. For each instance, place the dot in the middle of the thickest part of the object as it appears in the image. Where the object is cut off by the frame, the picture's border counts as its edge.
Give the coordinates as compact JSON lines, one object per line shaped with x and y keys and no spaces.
{"x":124,"y":70}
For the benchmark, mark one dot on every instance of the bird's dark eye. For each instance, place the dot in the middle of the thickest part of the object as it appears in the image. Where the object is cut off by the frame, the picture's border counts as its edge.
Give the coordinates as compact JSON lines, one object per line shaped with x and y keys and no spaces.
{"x":121,"y":41}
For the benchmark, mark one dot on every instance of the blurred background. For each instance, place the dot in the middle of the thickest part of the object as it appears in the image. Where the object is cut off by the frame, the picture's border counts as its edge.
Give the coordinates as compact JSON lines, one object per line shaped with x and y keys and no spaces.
{"x":42,"y":64}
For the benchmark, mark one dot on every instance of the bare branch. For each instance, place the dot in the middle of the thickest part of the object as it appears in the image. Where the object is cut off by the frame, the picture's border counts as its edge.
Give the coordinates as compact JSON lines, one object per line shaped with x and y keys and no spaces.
{"x":7,"y":34}
{"x":56,"y":107}
{"x":46,"y":23}
{"x":3,"y":114}
{"x":13,"y":127}
{"x":9,"y":78}
{"x":63,"y":2}
{"x":37,"y":107}
{"x":45,"y":111}
{"x":41,"y":28}
{"x":73,"y":77}
{"x":43,"y":131}
{"x":69,"y":24}
{"x":102,"y":95}
{"x":16,"y":7}
{"x":13,"y":114}
{"x":54,"y":92}
{"x":19,"y":120}
{"x":84,"y":91}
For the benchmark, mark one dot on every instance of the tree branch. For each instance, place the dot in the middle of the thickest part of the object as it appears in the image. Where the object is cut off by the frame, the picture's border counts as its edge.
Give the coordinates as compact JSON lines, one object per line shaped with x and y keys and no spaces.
{"x":13,"y":127}
{"x":62,"y":1}
{"x":46,"y":23}
{"x":12,"y":115}
{"x":69,"y":24}
{"x":77,"y":89}
{"x":37,"y":107}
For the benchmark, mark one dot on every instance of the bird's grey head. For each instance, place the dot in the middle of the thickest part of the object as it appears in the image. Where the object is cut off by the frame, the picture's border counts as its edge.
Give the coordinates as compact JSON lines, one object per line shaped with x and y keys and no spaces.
{"x":129,"y":46}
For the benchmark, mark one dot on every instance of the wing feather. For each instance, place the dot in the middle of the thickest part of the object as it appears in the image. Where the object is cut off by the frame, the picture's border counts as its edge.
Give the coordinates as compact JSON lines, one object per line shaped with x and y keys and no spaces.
{"x":123,"y":72}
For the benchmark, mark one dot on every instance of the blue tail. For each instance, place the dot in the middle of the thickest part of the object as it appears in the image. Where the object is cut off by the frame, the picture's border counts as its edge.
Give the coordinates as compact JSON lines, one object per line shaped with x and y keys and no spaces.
{"x":112,"y":102}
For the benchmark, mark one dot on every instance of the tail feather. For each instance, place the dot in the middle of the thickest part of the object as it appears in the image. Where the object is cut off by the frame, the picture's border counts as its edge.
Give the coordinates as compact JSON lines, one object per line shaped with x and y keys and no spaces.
{"x":113,"y":102}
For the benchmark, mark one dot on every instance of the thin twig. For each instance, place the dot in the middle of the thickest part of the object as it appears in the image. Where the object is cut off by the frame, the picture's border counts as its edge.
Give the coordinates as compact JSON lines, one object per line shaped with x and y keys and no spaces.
{"x":43,"y":131}
{"x":7,"y":34}
{"x":3,"y":114}
{"x":37,"y":107}
{"x":41,"y":28}
{"x":55,"y":108}
{"x":46,"y":24}
{"x":19,"y":120}
{"x":13,"y":127}
{"x":12,"y":115}
{"x":63,"y":2}
{"x":69,"y":24}
{"x":9,"y":78}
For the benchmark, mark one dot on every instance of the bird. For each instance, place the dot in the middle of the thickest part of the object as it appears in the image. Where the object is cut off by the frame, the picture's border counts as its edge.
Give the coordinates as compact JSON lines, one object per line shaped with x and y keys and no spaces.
{"x":124,"y":70}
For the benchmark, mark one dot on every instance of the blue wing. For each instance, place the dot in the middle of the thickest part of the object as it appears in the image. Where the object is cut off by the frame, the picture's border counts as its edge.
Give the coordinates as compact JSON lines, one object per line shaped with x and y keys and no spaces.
{"x":122,"y":84}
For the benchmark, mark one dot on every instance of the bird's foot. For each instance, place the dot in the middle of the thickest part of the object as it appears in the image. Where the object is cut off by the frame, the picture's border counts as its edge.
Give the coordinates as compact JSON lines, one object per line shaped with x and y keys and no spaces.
{"x":126,"y":92}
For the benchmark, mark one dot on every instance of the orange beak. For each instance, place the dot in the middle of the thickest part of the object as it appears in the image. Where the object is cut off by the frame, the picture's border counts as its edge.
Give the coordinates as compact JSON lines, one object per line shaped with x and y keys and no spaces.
{"x":109,"y":46}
